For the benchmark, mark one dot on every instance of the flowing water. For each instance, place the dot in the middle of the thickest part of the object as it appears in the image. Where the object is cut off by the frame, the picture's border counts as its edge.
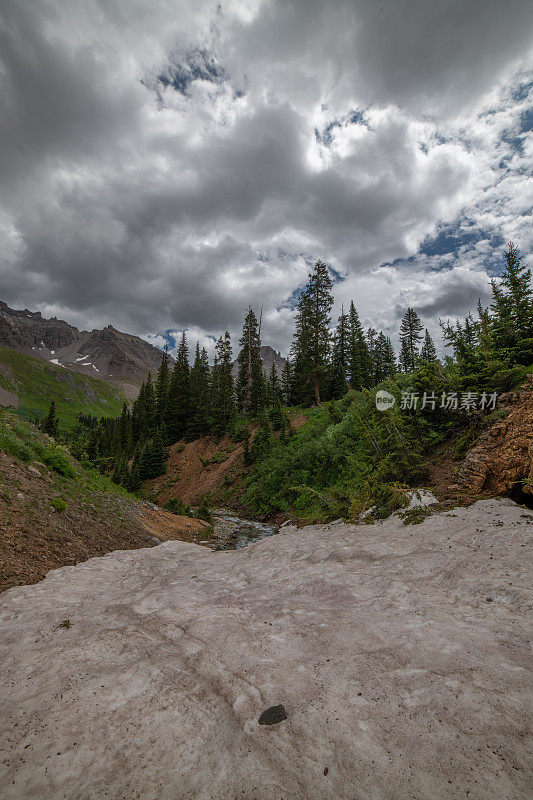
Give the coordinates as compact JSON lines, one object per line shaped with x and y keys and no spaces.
{"x":231,"y":532}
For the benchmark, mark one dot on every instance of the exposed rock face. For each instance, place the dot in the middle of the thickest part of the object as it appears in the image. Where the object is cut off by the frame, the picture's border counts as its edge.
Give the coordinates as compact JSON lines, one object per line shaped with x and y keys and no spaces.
{"x":102,"y":354}
{"x":502,"y":458}
{"x":27,"y":329}
{"x":399,"y":654}
{"x":269,"y":356}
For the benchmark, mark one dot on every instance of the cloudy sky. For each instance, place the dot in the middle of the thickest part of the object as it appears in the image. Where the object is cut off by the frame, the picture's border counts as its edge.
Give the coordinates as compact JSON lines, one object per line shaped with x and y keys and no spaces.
{"x":164,"y":163}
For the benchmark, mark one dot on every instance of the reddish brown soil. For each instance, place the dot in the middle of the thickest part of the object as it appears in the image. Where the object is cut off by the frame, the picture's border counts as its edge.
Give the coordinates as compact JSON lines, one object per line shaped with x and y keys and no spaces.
{"x":35,"y":539}
{"x":441,"y":468}
{"x":206,"y":466}
{"x":166,"y":526}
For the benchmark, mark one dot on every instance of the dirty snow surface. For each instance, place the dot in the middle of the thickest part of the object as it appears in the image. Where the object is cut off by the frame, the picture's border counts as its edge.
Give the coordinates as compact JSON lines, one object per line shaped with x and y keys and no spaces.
{"x":398,"y":653}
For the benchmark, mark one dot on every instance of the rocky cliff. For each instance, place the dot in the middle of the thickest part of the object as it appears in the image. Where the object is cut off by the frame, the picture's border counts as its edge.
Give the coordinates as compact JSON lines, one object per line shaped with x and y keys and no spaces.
{"x":399,"y":655}
{"x":501,"y":462}
{"x":107,"y":353}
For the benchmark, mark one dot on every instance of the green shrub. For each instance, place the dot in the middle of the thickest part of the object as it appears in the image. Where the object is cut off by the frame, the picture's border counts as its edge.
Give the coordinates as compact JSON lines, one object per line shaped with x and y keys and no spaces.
{"x":203,"y":512}
{"x":56,"y":459}
{"x":177,"y":506}
{"x":12,"y":446}
{"x":58,"y":504}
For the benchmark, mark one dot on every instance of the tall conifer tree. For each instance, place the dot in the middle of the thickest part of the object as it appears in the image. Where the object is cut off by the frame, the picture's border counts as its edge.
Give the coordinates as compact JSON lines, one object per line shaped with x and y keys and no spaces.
{"x":311,"y":348}
{"x":359,"y":364}
{"x":428,"y":351}
{"x":161,"y":387}
{"x":410,"y":337}
{"x":223,"y":395}
{"x":250,"y":385}
{"x":177,"y":411}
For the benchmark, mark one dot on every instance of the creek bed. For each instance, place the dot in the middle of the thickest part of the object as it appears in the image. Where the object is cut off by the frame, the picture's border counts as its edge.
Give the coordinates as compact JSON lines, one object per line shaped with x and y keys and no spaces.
{"x":231,"y":532}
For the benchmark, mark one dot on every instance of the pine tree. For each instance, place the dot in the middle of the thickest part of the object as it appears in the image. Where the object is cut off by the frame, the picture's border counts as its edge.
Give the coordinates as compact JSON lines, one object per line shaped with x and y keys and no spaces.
{"x":384,"y":358}
{"x":262,"y":440}
{"x":286,"y":382}
{"x":273,"y":391}
{"x":177,"y":409}
{"x":162,"y":386}
{"x":390,"y":358}
{"x":223,"y":407}
{"x":340,"y":357}
{"x":50,"y":424}
{"x":311,"y":348}
{"x":133,"y":483}
{"x":512,"y":307}
{"x":410,"y":337}
{"x":198,"y":423}
{"x":428,"y":352}
{"x":250,"y":385}
{"x":359,"y":363}
{"x":371,"y":334}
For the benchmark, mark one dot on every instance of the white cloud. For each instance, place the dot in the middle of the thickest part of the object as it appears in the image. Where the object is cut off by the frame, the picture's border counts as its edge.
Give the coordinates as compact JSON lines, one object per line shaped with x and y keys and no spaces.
{"x":155,"y":207}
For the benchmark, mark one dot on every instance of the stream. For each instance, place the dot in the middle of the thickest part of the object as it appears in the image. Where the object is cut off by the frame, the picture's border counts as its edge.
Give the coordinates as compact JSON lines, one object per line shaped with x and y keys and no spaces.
{"x":231,"y":532}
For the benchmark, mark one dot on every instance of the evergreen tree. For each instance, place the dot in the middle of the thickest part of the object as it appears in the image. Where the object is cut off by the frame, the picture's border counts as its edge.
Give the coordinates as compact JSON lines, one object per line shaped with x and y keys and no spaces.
{"x":384,"y":358}
{"x":428,"y":352}
{"x":250,"y":385}
{"x":143,"y":413}
{"x":410,"y":337}
{"x":273,"y":391}
{"x":512,"y":307}
{"x":122,"y":434}
{"x":151,"y":459}
{"x":162,"y":386}
{"x":465,"y":342}
{"x":340,"y":357}
{"x":198,"y":424}
{"x":286,"y":382}
{"x":371,"y":335}
{"x":390,"y":358}
{"x":262,"y":440}
{"x":50,"y":424}
{"x":311,"y":348}
{"x":133,"y":483}
{"x":359,"y":363}
{"x":223,"y":396}
{"x":177,"y":409}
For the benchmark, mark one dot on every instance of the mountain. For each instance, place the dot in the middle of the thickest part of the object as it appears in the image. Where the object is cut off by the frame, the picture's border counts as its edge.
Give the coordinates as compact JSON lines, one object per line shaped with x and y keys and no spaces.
{"x":29,"y":384}
{"x":121,"y":358}
{"x":269,"y":356}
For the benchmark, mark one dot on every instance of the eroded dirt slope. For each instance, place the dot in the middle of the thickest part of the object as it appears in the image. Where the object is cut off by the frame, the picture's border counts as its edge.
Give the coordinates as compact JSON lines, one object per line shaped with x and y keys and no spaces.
{"x":501,"y":461}
{"x":400,"y":655}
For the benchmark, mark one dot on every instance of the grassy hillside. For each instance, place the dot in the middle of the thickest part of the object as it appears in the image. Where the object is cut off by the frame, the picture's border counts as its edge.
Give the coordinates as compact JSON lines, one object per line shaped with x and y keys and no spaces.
{"x":53,"y":510}
{"x":36,"y":383}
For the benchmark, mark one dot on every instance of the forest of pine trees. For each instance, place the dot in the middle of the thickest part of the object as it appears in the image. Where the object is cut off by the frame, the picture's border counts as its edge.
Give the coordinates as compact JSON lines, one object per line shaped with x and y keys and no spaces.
{"x":185,"y":401}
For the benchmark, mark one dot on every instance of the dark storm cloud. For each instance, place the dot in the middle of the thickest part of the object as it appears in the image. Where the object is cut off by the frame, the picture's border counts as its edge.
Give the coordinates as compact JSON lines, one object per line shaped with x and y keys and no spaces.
{"x":165,"y":164}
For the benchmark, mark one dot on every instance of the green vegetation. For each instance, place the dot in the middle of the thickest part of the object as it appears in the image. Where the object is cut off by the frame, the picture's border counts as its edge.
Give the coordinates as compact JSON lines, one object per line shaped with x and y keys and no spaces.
{"x":349,"y":456}
{"x":58,"y":504}
{"x":177,"y":506}
{"x":36,"y":383}
{"x":22,"y":441}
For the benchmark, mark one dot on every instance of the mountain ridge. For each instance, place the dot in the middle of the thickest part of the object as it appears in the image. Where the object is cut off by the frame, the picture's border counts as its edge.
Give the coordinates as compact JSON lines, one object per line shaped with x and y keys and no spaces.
{"x":121,"y":358}
{"x":107,"y":353}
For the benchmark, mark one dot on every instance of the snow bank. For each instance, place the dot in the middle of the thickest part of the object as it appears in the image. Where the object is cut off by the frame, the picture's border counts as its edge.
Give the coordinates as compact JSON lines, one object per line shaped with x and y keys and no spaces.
{"x":399,"y":654}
